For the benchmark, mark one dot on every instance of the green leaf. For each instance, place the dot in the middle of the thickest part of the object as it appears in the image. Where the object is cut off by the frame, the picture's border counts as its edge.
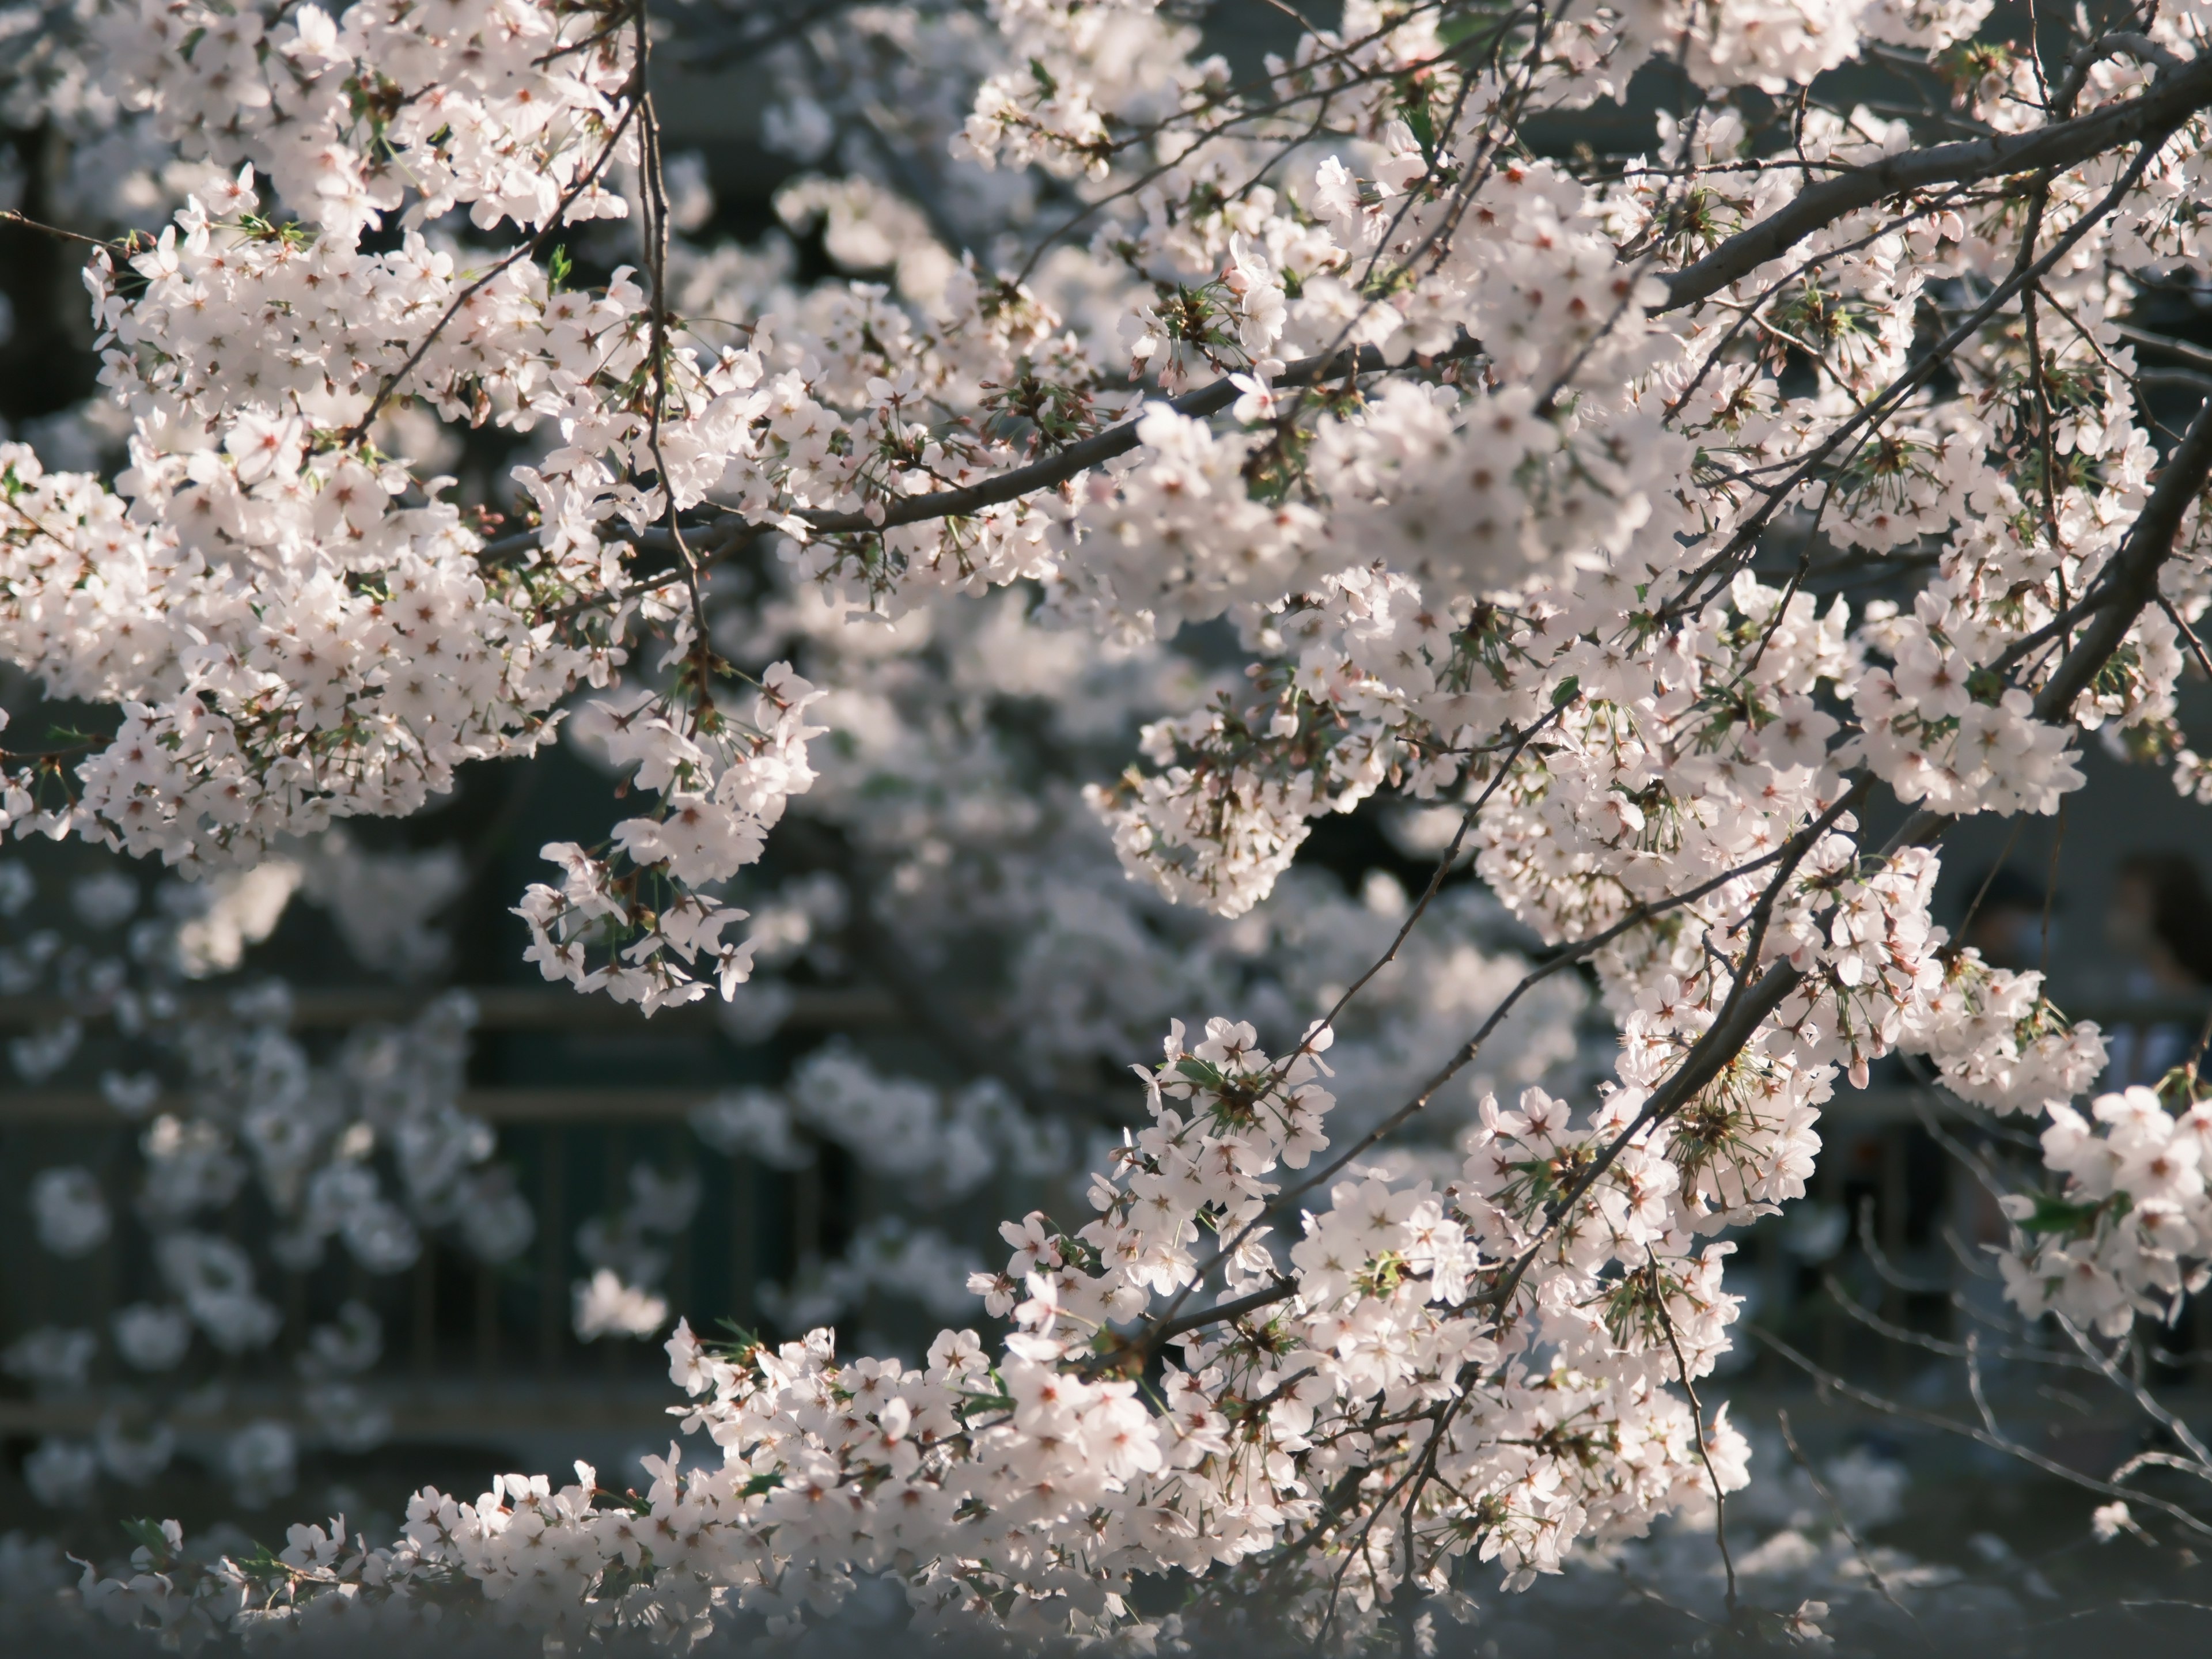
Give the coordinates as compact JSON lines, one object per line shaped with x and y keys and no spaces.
{"x":260,"y":1563}
{"x":2054,"y":1214}
{"x":1422,"y":126}
{"x":735,"y":1343}
{"x":1567,"y":692}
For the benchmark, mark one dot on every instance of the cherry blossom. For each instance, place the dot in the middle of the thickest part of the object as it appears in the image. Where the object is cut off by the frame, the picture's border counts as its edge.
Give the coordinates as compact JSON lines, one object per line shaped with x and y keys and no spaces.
{"x":1636,"y":522}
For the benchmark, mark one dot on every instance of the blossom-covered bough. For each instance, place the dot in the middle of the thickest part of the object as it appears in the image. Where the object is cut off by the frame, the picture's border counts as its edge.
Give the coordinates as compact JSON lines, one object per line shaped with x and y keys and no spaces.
{"x":1512,"y":478}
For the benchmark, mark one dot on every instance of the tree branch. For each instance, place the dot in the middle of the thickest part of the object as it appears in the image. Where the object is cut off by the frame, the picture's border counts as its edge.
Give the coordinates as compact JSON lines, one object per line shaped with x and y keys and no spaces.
{"x":2172,"y":98}
{"x":2133,"y":580}
{"x":1063,"y":464}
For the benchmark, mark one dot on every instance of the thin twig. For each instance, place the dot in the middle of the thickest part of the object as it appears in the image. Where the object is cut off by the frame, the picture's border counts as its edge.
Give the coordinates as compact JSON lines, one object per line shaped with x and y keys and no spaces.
{"x":9,"y":216}
{"x":1698,"y":1406}
{"x":1842,"y":1522}
{"x":1835,"y":1384}
{"x":555,"y":222}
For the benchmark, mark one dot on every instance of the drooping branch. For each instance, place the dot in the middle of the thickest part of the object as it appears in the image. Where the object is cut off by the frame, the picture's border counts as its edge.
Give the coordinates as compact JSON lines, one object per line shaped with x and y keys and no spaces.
{"x":2136,"y":575}
{"x":1045,"y":473}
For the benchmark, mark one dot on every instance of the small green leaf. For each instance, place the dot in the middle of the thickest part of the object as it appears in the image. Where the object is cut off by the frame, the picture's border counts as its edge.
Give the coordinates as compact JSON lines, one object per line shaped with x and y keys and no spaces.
{"x":1567,"y":692}
{"x":1422,"y":126}
{"x":260,"y":1562}
{"x":2054,"y":1214}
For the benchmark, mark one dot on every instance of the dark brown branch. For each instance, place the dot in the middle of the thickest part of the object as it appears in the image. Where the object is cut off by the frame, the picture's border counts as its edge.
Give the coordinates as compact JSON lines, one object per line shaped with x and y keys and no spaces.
{"x":1698,"y":1410}
{"x":1130,"y":1355}
{"x":9,"y":216}
{"x":1281,"y":1291}
{"x":2134,"y":585}
{"x":2173,"y":347}
{"x":1063,"y":464}
{"x":1044,"y":473}
{"x":2133,"y":582}
{"x":2172,"y":99}
{"x":1738,"y":1021}
{"x":1843,"y":1521}
{"x":1923,"y":367}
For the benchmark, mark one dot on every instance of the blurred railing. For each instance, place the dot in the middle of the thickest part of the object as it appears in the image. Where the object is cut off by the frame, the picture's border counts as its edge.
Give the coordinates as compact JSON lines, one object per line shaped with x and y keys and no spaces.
{"x":499,"y":1008}
{"x":467,"y":1343}
{"x":478,"y":1351}
{"x":470,"y":1349}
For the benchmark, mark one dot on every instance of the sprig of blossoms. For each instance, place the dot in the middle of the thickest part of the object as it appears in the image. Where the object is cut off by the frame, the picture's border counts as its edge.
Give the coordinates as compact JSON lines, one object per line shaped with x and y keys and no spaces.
{"x":634,"y":921}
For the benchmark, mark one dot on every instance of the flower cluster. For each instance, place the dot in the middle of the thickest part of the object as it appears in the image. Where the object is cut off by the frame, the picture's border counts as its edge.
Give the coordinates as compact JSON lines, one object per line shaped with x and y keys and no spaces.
{"x":1639,"y":519}
{"x":1036,"y":1480}
{"x":1997,"y":1041}
{"x":2125,"y":1236}
{"x":635,"y":922}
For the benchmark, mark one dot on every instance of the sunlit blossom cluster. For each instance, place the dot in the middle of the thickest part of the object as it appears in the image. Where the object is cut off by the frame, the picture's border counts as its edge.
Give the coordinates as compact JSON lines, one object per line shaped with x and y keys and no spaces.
{"x":1640,"y":522}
